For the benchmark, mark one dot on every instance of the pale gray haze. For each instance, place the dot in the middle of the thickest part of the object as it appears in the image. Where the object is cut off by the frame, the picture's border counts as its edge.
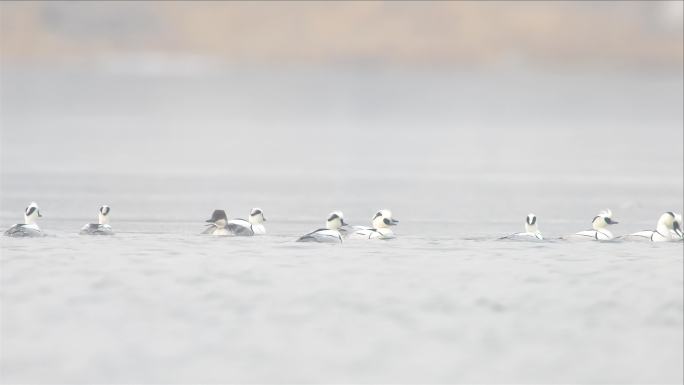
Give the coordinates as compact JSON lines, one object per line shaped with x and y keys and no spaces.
{"x":460,"y":117}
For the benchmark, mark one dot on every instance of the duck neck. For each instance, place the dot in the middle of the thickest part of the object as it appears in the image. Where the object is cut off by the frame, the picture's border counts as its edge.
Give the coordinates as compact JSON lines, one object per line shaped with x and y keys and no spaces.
{"x":29,"y":220}
{"x":599,"y":224}
{"x":378,"y":223}
{"x":386,"y":231}
{"x":663,"y":230}
{"x":335,"y":224}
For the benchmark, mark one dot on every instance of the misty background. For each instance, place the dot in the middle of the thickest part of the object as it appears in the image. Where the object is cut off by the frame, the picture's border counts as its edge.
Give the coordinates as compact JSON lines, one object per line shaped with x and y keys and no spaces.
{"x":440,"y":110}
{"x":460,"y":117}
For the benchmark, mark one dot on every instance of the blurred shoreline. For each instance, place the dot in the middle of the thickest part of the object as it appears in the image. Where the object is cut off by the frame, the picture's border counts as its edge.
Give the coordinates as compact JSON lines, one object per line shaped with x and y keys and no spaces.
{"x":564,"y":35}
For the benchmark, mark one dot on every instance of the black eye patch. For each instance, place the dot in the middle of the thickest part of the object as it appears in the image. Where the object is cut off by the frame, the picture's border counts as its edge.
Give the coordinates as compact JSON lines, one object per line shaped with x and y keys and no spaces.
{"x":256,"y":212}
{"x":30,"y":211}
{"x":104,"y":210}
{"x":534,"y":220}
{"x":386,"y":221}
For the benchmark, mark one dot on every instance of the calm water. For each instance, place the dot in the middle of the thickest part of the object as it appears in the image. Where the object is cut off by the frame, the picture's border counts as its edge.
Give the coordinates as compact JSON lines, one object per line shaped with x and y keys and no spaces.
{"x":445,"y":302}
{"x":459,"y":158}
{"x":162,"y":308}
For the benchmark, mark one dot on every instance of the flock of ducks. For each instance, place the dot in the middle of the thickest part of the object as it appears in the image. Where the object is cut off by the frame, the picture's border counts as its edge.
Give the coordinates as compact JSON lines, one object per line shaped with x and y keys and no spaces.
{"x":220,"y":225}
{"x":336,"y":229}
{"x":668,"y":228}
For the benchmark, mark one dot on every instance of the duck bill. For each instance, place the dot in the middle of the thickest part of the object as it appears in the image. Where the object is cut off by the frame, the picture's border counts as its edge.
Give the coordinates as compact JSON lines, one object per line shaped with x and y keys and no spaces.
{"x":393,"y":222}
{"x":40,"y":215}
{"x":209,"y":221}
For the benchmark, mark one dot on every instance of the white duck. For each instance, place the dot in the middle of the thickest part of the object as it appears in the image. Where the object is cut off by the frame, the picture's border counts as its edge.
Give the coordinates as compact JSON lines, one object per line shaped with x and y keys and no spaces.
{"x":253,"y":226}
{"x":599,"y":226}
{"x":531,"y":230}
{"x":381,"y":221}
{"x":29,"y":228}
{"x":667,"y":229}
{"x":100,"y":228}
{"x":331,"y":232}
